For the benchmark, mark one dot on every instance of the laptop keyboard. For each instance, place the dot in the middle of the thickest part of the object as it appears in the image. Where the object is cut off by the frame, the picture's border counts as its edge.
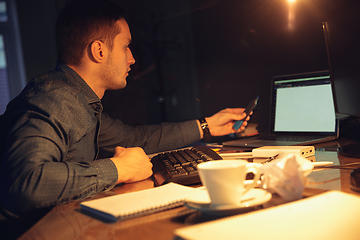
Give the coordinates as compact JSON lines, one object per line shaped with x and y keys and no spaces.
{"x":180,"y":166}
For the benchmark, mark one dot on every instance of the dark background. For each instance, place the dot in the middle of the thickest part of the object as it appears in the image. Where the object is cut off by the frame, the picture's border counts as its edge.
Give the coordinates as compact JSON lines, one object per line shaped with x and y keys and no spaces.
{"x":196,"y":57}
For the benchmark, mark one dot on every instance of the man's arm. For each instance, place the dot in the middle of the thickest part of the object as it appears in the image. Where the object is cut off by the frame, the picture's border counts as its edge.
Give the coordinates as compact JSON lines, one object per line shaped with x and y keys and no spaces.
{"x":151,"y":138}
{"x":167,"y":136}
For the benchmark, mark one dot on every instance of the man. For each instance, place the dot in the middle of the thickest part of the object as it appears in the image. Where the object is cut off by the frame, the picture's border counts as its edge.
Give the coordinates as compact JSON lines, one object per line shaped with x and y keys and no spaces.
{"x":57,"y":145}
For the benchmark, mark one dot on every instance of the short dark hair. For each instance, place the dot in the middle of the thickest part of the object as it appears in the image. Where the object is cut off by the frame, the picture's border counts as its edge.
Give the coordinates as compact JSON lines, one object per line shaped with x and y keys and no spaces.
{"x":83,"y":21}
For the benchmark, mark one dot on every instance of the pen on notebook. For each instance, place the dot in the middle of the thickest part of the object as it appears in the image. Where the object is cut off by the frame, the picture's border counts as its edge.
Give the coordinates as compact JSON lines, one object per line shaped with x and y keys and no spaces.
{"x":322,"y":163}
{"x":236,"y":155}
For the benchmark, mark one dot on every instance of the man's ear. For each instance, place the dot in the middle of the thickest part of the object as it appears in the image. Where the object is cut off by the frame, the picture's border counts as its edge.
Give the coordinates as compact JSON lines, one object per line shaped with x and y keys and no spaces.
{"x":97,"y":51}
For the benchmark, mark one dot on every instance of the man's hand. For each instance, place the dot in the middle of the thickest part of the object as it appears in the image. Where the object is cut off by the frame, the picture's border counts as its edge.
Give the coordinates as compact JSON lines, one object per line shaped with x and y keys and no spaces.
{"x":132,"y":164}
{"x":221,"y":123}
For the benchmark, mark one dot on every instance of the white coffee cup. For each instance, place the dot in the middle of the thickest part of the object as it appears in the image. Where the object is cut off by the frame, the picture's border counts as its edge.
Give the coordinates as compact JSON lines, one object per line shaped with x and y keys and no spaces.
{"x":224,"y":180}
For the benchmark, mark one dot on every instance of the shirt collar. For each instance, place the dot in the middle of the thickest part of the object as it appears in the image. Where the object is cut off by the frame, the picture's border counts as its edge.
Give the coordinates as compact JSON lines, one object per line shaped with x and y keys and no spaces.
{"x":77,"y":80}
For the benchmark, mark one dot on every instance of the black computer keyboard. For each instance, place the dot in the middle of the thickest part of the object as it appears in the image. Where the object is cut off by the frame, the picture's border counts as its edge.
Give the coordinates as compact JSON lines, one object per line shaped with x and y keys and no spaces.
{"x":180,"y":166}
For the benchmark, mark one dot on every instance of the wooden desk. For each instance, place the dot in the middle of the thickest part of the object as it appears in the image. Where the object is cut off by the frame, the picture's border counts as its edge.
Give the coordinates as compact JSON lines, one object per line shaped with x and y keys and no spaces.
{"x":67,"y":222}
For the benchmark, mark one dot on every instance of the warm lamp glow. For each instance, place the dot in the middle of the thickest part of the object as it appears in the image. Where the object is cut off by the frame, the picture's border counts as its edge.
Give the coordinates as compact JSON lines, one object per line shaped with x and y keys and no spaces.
{"x":291,"y":14}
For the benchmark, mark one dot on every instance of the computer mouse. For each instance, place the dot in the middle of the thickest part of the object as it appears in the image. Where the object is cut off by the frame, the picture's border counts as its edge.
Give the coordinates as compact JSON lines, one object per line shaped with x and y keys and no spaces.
{"x":355,"y":180}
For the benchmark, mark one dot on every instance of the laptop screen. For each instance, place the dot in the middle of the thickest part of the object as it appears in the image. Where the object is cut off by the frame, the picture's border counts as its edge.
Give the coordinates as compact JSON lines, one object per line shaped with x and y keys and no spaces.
{"x":303,"y":103}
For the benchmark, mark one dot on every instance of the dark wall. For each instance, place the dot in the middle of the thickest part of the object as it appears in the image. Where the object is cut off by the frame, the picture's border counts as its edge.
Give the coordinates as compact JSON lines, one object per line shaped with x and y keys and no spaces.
{"x":37,"y":21}
{"x":208,"y":54}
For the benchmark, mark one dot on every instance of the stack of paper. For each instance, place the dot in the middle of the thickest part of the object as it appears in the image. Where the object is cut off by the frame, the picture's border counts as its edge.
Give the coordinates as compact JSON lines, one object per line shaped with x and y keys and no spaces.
{"x":329,"y":216}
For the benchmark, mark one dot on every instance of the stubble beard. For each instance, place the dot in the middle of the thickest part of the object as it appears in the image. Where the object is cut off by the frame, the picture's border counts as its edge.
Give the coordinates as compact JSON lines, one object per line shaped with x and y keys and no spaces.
{"x":112,"y":77}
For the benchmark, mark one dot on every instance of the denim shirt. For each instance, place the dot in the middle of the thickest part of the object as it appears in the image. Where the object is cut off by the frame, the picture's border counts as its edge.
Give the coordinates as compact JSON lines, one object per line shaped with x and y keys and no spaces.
{"x":56,"y":143}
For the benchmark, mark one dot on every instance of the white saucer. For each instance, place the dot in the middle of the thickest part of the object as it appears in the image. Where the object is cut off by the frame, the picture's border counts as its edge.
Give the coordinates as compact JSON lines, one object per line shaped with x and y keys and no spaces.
{"x":201,"y":201}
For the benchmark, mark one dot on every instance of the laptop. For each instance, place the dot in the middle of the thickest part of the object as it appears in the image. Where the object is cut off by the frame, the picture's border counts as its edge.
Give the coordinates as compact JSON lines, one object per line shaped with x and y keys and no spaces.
{"x":302,"y":112}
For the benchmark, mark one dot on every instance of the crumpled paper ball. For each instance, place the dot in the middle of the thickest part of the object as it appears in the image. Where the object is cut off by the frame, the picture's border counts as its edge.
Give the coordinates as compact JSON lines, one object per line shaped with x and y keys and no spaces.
{"x":286,"y":176}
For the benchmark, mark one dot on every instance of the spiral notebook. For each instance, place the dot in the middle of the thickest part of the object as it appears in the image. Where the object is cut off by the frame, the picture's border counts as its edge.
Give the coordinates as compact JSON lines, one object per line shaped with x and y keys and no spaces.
{"x":128,"y":205}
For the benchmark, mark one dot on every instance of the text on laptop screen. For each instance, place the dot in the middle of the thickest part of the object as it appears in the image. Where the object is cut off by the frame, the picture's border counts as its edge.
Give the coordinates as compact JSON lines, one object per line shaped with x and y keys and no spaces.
{"x":304,"y":105}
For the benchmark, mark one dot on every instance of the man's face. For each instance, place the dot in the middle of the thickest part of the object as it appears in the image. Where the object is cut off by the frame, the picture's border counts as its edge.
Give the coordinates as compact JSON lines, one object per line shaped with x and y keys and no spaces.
{"x":119,"y":60}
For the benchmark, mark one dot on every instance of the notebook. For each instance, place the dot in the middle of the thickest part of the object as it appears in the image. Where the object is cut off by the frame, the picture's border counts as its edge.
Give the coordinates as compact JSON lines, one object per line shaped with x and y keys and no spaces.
{"x":331,"y":215}
{"x":302,"y":112}
{"x":128,"y":205}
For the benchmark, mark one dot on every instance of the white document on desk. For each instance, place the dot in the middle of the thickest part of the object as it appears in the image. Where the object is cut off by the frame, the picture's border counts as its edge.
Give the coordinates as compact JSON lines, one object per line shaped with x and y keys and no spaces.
{"x":326,"y":178}
{"x":332,"y":215}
